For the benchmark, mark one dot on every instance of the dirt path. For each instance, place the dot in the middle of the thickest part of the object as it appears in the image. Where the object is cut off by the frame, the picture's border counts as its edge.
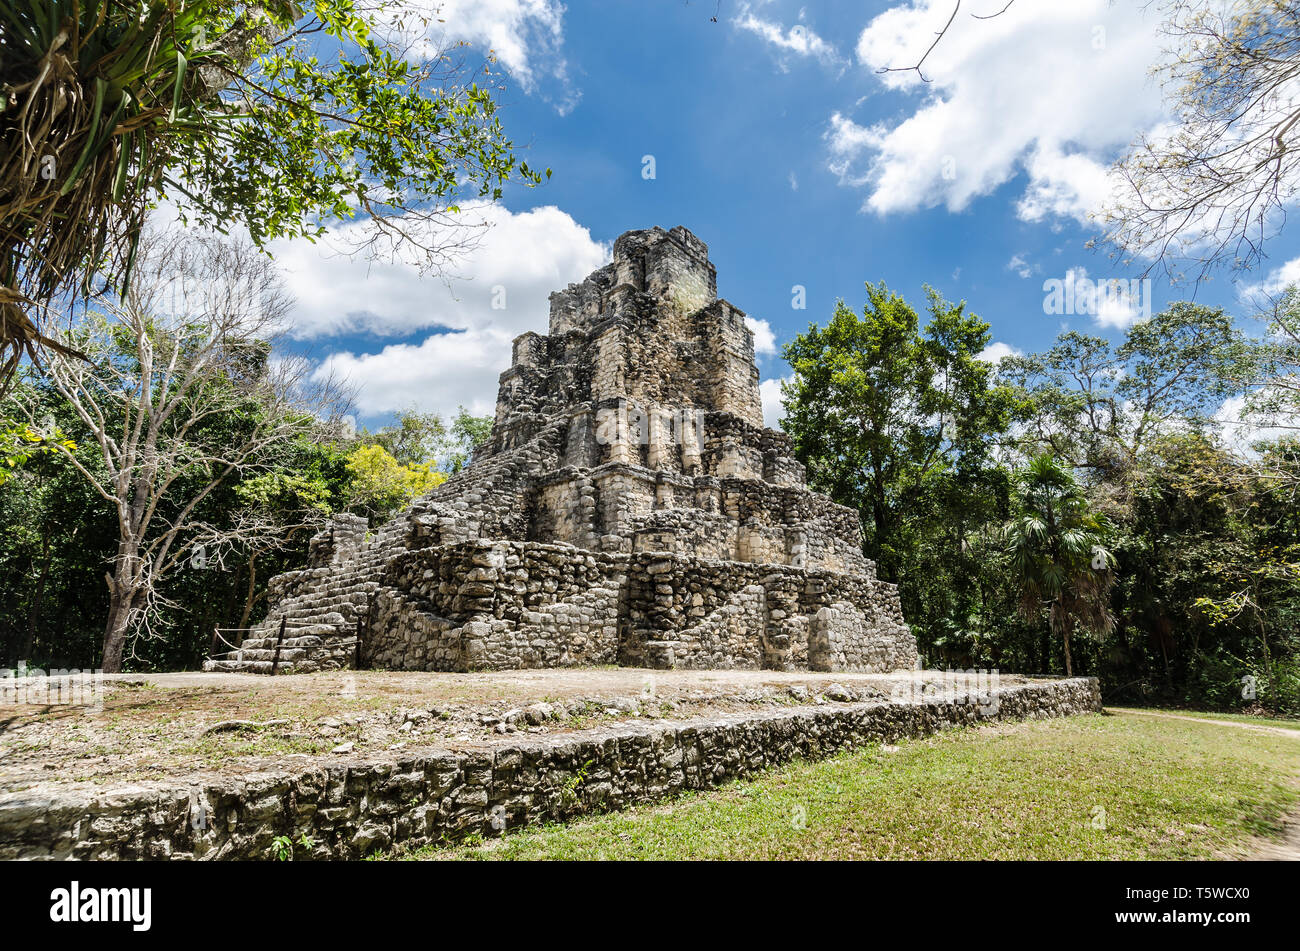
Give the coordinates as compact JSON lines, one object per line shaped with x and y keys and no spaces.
{"x":1282,"y":848}
{"x":1257,"y":727}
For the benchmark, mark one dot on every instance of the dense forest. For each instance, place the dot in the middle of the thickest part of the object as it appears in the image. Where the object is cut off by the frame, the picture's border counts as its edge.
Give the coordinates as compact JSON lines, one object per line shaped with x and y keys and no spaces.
{"x":1084,"y":509}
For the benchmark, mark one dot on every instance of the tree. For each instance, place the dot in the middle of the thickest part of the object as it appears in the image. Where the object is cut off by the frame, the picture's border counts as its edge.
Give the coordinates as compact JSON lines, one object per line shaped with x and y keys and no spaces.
{"x":416,"y":438}
{"x":380,"y":484}
{"x":876,"y":407}
{"x":1208,"y":592}
{"x":1100,"y":407}
{"x":425,"y":438}
{"x":179,"y":402}
{"x":1210,"y":188}
{"x":468,"y":434}
{"x":20,"y":442}
{"x":1270,"y":377}
{"x":1057,"y":551}
{"x":276,"y":118}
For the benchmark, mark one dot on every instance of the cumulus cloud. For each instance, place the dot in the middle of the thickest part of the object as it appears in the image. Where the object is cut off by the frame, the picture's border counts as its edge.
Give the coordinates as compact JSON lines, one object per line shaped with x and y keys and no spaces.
{"x":1050,"y":90}
{"x":526,"y":36}
{"x":502,"y":290}
{"x":995,"y":351}
{"x":447,"y":370}
{"x":764,"y":337}
{"x":501,"y":282}
{"x":797,"y":41}
{"x":1064,"y":186}
{"x":848,"y":142}
{"x":770,"y":391}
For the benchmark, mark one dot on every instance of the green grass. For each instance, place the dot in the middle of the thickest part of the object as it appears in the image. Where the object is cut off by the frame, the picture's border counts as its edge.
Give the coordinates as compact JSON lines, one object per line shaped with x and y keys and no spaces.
{"x":1170,"y":789}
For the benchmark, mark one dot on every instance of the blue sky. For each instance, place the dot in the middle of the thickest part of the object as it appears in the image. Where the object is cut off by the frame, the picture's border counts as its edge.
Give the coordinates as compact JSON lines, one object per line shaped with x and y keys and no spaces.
{"x":777,"y":141}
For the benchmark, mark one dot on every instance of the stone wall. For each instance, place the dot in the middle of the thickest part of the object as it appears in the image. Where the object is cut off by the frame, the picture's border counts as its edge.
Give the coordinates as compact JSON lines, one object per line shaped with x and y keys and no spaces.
{"x":505,"y":605}
{"x":621,"y":507}
{"x":841,"y":636}
{"x":497,"y":606}
{"x":671,"y":595}
{"x":349,"y":809}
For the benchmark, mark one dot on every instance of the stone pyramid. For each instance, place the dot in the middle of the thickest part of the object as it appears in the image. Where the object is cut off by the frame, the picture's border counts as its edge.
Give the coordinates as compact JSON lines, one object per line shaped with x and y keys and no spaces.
{"x":629,"y":508}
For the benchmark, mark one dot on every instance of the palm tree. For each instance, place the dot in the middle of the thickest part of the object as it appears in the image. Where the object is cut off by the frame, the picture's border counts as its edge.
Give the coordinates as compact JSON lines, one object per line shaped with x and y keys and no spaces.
{"x":1058,"y":554}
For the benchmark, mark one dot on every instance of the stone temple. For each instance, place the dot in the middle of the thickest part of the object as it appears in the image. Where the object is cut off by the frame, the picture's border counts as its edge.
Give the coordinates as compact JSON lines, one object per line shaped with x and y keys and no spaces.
{"x":629,"y":508}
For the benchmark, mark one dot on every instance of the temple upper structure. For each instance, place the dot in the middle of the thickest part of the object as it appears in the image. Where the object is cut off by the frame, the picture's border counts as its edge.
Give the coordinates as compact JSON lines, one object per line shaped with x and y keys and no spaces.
{"x":629,"y":507}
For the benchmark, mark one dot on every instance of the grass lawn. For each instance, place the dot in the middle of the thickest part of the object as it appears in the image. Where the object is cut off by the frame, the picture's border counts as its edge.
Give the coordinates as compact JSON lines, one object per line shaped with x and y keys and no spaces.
{"x":1170,"y":789}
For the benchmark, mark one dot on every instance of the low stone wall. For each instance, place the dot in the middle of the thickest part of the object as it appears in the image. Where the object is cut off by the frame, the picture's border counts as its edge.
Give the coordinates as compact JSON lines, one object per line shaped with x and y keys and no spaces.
{"x":841,"y":637}
{"x":351,"y":808}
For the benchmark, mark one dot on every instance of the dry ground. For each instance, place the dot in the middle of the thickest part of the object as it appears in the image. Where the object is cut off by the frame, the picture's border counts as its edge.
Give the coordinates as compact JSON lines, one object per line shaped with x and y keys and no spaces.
{"x":150,"y":727}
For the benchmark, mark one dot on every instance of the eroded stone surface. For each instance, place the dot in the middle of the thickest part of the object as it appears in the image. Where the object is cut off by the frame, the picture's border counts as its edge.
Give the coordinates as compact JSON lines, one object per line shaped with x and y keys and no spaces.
{"x":629,"y":507}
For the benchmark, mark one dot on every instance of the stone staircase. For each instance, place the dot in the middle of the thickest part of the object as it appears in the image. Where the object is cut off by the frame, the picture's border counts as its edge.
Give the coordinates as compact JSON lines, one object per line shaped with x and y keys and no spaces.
{"x":320,"y":626}
{"x":322,"y":604}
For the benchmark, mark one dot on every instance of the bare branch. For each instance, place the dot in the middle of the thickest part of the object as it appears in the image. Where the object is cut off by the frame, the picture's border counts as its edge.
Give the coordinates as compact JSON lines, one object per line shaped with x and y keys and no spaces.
{"x":182,"y":369}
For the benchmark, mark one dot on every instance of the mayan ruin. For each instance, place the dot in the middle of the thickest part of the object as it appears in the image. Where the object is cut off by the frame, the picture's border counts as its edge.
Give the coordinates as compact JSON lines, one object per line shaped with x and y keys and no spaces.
{"x":629,"y":508}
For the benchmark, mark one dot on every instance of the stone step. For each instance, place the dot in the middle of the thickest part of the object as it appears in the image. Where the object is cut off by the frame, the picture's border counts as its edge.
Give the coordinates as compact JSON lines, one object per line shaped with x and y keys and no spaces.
{"x":256,"y":653}
{"x":328,"y":601}
{"x":268,"y":640}
{"x":245,"y":667}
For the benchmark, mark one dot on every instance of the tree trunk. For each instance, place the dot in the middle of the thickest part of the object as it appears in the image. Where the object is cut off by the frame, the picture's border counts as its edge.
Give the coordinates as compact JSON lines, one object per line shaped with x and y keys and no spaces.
{"x":249,"y":599}
{"x":123,"y":592}
{"x":119,"y":616}
{"x":1069,"y":667}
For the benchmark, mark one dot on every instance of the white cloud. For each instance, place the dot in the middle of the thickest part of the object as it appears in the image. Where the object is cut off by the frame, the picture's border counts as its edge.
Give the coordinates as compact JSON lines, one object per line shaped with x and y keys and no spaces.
{"x":1117,"y":311}
{"x":517,"y":263}
{"x":526,"y":36}
{"x":1064,"y":186}
{"x":514,"y":264}
{"x":798,"y":40}
{"x":1277,"y":281}
{"x":764,"y":338}
{"x":1241,"y":429}
{"x":996,"y":351}
{"x":770,"y":391}
{"x":847,"y":142}
{"x":445,"y":371}
{"x":1053,"y":90}
{"x":1022,"y":267}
